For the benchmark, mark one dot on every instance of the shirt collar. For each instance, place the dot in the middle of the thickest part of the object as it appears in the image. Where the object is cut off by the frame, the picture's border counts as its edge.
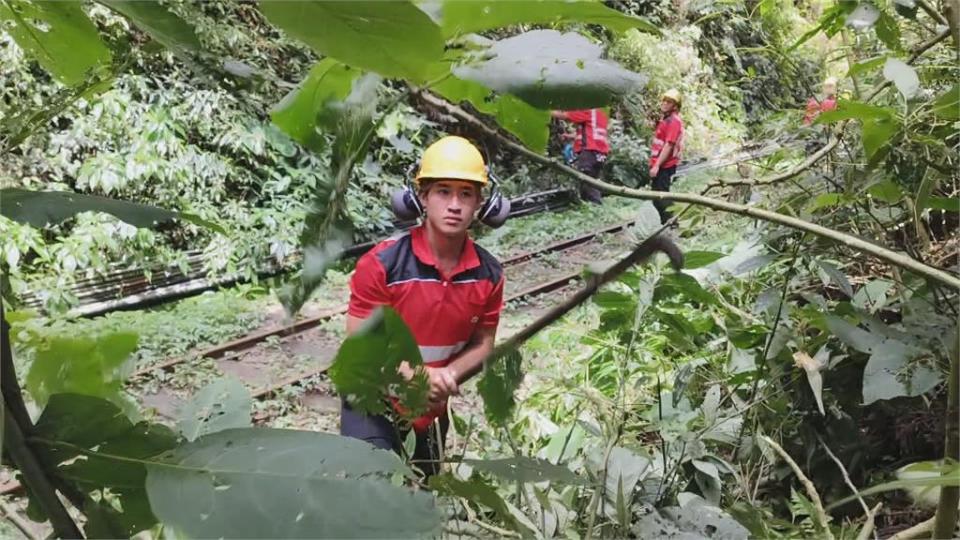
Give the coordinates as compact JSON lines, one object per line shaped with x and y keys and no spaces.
{"x":421,"y":249}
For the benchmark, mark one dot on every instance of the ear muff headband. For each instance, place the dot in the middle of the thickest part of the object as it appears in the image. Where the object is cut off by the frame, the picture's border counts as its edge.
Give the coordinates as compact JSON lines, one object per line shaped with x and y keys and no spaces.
{"x":493,"y":212}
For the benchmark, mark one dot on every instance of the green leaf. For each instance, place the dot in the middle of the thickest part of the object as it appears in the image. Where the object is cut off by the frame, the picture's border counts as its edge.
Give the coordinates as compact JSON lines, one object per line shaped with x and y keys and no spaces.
{"x":477,"y":491}
{"x":222,"y":404}
{"x":947,"y":106}
{"x":847,"y":110}
{"x":903,"y":76}
{"x":836,"y":277}
{"x":40,"y":208}
{"x":58,"y":35}
{"x":877,"y":135}
{"x":683,"y":285}
{"x":947,"y":204}
{"x":526,"y":469}
{"x":699,"y":259}
{"x":71,"y":422}
{"x":271,"y":483}
{"x":824,"y":200}
{"x":328,"y":231}
{"x":551,"y":70}
{"x":394,"y":39}
{"x":887,"y":191}
{"x":156,"y":20}
{"x":365,"y":368}
{"x":501,"y":378}
{"x":888,"y":374}
{"x":864,"y":16}
{"x":950,"y":478}
{"x":872,"y":296}
{"x":888,"y":31}
{"x":853,"y":336}
{"x":89,"y":366}
{"x":467,"y":16}
{"x":299,"y":113}
{"x":527,"y":123}
{"x":867,"y":65}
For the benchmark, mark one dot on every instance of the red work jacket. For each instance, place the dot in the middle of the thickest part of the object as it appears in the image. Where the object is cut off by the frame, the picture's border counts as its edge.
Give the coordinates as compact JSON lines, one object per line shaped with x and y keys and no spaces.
{"x":591,"y":130}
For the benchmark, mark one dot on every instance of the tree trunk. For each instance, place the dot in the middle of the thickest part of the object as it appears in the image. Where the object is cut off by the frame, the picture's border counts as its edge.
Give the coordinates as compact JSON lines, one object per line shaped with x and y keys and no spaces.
{"x":946,"y":518}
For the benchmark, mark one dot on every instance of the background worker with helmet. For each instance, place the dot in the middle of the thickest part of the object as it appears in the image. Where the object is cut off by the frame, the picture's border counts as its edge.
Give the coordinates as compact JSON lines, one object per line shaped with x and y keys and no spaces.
{"x":590,"y":145}
{"x":666,"y":147}
{"x":448,"y":290}
{"x":828,"y":103}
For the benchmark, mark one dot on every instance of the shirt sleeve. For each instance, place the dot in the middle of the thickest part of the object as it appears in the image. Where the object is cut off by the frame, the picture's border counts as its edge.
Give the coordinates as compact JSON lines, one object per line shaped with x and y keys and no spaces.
{"x":673,"y":131}
{"x":577,"y":117}
{"x":491,"y":313}
{"x":368,"y":287}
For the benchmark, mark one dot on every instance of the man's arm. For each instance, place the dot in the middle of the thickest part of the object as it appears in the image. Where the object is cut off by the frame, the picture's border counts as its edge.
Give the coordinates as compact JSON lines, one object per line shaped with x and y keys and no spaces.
{"x":470,"y":360}
{"x":559,"y":115}
{"x":663,"y":157}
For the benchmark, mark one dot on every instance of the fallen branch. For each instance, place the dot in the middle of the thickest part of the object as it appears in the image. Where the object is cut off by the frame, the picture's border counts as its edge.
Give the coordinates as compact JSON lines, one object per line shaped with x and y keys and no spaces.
{"x":807,"y":485}
{"x":851,"y":241}
{"x":869,"y":525}
{"x":920,"y":529}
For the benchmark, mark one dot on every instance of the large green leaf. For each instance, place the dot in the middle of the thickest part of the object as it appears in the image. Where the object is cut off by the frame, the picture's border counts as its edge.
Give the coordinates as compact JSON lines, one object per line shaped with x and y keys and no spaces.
{"x":92,"y":366}
{"x":72,"y":425}
{"x":853,"y":336}
{"x":42,"y":208}
{"x":551,"y":70}
{"x":58,"y":35}
{"x":328,"y":231}
{"x":903,"y":76}
{"x":526,"y":469}
{"x":466,"y":16}
{"x":300,"y":112}
{"x":847,"y":110}
{"x":501,"y":378}
{"x":889,"y":373}
{"x":528,"y":123}
{"x":222,"y":404}
{"x":699,"y":259}
{"x":947,"y":106}
{"x":269,"y":483}
{"x":394,"y":39}
{"x":156,"y":20}
{"x":365,"y":368}
{"x":836,"y":276}
{"x":683,"y":285}
{"x":888,"y":31}
{"x":877,"y":136}
{"x":949,"y":476}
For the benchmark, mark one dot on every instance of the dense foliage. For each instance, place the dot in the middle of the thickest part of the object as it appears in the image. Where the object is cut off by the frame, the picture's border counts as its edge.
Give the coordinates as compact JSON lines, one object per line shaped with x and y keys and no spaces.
{"x":769,"y":389}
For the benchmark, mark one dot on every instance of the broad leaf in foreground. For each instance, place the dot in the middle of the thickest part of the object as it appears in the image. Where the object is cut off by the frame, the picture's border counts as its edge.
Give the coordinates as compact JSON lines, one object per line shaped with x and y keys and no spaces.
{"x":526,"y":469}
{"x":477,"y":491}
{"x":41,"y":208}
{"x":222,"y":404}
{"x":58,"y":35}
{"x":551,"y":70}
{"x":466,"y":16}
{"x":501,"y":378}
{"x":892,"y":373}
{"x":270,"y":483}
{"x":299,"y":113}
{"x":394,"y":39}
{"x":365,"y":368}
{"x":156,"y":20}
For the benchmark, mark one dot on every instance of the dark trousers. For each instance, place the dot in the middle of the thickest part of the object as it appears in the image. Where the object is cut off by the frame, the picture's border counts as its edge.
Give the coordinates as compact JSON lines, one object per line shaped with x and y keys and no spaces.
{"x":383,"y":433}
{"x":590,"y":163}
{"x":662,"y":183}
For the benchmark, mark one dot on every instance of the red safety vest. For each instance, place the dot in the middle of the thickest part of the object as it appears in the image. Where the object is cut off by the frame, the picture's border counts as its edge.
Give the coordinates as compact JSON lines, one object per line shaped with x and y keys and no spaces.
{"x":591,"y":130}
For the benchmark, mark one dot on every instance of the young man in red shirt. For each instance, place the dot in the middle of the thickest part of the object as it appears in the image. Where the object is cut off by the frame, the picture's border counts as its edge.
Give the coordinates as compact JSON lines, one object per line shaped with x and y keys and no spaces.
{"x":829,"y":102}
{"x":666,"y":148}
{"x":448,"y":290}
{"x":590,"y":145}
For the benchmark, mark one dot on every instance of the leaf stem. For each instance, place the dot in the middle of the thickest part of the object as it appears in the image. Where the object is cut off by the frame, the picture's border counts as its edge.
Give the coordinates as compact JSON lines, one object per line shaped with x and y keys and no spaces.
{"x":807,"y":484}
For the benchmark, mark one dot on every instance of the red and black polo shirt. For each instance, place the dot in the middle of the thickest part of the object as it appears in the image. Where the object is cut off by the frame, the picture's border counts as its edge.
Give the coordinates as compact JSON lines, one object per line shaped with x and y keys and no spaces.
{"x":442,"y":311}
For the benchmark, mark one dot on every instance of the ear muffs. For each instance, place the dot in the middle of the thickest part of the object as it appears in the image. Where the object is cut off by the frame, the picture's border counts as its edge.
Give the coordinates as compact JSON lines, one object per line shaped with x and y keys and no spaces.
{"x":496,"y":209}
{"x":405,"y":204}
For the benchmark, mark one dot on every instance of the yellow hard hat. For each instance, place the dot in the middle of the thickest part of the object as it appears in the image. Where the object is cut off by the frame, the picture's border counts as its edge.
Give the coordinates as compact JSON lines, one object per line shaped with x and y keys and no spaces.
{"x":831,"y":81}
{"x":454,"y":158}
{"x":673,"y":95}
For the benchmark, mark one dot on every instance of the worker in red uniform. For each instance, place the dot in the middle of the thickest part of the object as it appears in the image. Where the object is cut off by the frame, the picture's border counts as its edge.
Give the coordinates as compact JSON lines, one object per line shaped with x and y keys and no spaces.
{"x":828,"y":103}
{"x":448,"y":290}
{"x":666,"y":148}
{"x":589,"y":145}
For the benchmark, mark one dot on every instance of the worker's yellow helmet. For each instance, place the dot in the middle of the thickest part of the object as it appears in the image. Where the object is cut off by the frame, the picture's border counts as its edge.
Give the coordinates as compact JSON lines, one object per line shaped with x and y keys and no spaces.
{"x":673,"y":95}
{"x":454,"y":158}
{"x":831,"y":81}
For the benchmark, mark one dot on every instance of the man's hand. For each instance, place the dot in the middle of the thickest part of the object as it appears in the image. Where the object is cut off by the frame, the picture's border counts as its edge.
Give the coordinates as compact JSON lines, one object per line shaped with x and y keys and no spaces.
{"x":654,"y":171}
{"x":443,"y":383}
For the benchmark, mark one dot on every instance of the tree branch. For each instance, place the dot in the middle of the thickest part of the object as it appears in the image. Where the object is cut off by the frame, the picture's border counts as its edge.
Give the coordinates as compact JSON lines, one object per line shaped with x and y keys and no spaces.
{"x":946,"y":517}
{"x":821,"y":516}
{"x":879,"y":252}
